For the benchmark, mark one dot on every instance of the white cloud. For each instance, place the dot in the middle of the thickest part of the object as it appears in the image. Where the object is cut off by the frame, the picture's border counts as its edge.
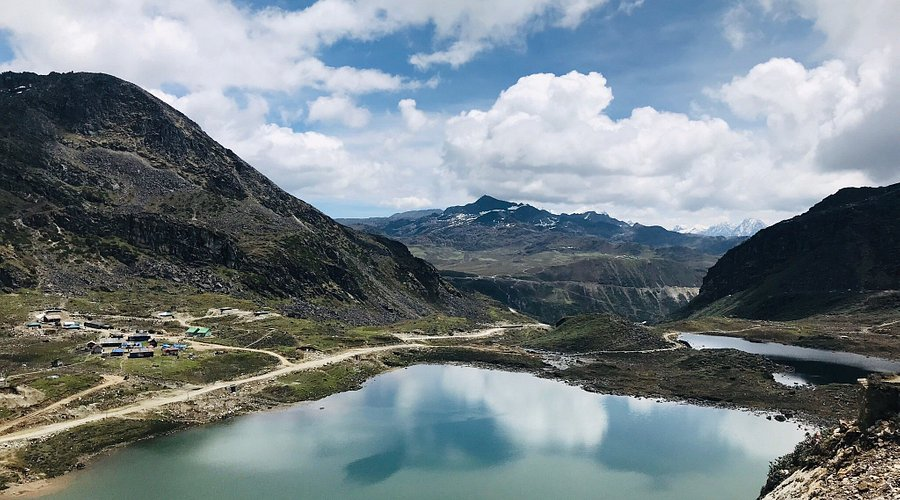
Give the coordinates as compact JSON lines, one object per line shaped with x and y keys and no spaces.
{"x":547,"y":139}
{"x":734,"y":25}
{"x":338,"y":109}
{"x":412,"y":117}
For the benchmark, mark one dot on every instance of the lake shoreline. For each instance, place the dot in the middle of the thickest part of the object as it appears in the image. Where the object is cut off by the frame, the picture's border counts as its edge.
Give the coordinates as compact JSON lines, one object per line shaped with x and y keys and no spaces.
{"x":491,"y":357}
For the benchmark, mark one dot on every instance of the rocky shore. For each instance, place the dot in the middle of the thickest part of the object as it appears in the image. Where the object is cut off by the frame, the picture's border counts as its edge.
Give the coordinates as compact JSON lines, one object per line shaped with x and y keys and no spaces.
{"x":856,"y":460}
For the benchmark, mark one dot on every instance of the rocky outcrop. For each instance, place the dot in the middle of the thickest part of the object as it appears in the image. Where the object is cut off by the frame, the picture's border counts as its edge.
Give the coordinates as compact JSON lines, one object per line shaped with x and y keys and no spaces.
{"x":844,"y":245}
{"x":855,"y":460}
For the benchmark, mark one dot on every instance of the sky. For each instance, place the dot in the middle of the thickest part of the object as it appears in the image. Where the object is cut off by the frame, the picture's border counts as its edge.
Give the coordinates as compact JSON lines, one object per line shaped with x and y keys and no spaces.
{"x":655,"y":111}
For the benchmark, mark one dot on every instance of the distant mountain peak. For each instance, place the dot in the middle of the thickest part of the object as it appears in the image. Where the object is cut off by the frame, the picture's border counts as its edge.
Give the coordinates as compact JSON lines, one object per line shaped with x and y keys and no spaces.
{"x":745,"y":228}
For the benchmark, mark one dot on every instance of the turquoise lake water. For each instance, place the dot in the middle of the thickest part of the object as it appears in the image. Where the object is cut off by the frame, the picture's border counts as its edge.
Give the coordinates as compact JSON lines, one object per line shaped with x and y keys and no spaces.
{"x":454,"y":432}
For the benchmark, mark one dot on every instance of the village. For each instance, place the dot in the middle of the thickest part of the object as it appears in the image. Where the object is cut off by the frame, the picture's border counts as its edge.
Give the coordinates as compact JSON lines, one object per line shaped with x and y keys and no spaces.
{"x":115,"y":342}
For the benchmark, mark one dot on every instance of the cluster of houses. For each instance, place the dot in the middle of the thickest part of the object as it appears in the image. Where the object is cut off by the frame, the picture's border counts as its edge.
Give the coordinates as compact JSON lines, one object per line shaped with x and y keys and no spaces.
{"x":140,"y":344}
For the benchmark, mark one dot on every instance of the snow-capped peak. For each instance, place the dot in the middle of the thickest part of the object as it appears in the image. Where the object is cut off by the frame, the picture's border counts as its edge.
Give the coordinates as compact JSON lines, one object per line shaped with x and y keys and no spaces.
{"x":745,"y":228}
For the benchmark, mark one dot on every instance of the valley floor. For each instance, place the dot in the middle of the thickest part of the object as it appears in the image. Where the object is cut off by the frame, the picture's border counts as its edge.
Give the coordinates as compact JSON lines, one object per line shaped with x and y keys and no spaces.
{"x":136,"y":399}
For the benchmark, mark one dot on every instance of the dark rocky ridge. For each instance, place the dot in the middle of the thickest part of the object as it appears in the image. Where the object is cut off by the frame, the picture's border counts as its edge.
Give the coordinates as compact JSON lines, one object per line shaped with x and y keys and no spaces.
{"x":101,"y":183}
{"x":845,"y":245}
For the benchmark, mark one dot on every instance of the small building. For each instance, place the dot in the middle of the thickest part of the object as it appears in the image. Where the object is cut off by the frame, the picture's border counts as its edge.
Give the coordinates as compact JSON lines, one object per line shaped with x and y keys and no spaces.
{"x":117,"y":335}
{"x":117,"y":352}
{"x":197,"y":331}
{"x":71,"y":325}
{"x":54,"y":318}
{"x":141,"y":352}
{"x":166,"y":314}
{"x":33,"y":324}
{"x":96,"y":350}
{"x":170,"y":351}
{"x":110,"y":342}
{"x":139,"y":337}
{"x":91,"y":344}
{"x":152,"y":343}
{"x":223,"y":310}
{"x":180,"y":347}
{"x":97,"y":324}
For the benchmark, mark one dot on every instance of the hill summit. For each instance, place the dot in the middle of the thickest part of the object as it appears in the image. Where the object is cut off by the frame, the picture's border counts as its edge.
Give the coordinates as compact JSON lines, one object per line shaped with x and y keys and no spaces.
{"x":103,"y":185}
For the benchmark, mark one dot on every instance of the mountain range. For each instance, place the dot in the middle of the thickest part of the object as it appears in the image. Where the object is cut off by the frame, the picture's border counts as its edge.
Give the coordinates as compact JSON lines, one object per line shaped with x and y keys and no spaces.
{"x":552,"y":265}
{"x":104,"y":186}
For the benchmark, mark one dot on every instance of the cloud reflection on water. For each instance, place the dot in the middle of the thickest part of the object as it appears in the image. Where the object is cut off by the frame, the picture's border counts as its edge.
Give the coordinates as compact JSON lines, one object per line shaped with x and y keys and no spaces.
{"x":459,"y":418}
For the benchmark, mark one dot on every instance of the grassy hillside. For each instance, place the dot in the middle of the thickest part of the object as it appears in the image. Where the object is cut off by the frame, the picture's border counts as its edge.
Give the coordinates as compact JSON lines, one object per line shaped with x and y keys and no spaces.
{"x":597,"y":332}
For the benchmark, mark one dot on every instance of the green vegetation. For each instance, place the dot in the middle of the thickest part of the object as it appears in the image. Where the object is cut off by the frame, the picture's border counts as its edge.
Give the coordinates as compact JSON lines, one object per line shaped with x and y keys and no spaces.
{"x":60,"y":453}
{"x":435,"y":324}
{"x":460,"y":354}
{"x":57,"y":388}
{"x":597,"y":332}
{"x":147,"y":297}
{"x":18,"y":355}
{"x":14,"y":307}
{"x":316,"y":384}
{"x":206,"y":367}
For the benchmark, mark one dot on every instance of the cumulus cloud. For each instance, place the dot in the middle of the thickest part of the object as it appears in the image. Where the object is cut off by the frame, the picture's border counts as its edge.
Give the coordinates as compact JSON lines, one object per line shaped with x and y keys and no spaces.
{"x":201,"y":44}
{"x":841,"y":113}
{"x":412,"y":117}
{"x":547,"y":138}
{"x":338,"y":109}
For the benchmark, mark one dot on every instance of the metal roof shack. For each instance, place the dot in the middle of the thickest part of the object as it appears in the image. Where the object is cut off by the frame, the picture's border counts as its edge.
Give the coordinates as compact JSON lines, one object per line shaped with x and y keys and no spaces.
{"x":170,"y":351}
{"x":71,"y":325}
{"x":51,"y":317}
{"x":110,"y":342}
{"x":117,"y":352}
{"x":33,"y":324}
{"x":97,"y":324}
{"x":142,"y":352}
{"x":139,"y":337}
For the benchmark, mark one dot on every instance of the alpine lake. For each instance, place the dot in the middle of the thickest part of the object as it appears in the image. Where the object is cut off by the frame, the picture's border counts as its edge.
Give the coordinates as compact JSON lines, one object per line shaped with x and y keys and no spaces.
{"x":440,"y":431}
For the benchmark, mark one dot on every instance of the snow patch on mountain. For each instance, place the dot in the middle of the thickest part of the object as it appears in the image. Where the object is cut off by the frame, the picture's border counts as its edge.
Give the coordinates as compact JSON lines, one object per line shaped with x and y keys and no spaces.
{"x":745,"y":228}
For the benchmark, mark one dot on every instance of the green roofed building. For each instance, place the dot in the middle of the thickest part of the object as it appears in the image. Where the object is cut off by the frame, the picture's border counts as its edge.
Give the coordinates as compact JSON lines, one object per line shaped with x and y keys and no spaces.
{"x":197,"y":331}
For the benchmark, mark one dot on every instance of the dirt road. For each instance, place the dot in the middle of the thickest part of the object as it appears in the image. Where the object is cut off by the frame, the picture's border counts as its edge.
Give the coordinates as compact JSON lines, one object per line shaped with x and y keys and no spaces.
{"x":108,"y":380}
{"x":180,"y":395}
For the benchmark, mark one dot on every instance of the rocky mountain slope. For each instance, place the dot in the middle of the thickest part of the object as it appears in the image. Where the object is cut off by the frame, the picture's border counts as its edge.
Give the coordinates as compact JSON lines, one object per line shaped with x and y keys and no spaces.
{"x":554,"y":265}
{"x":102,"y":184}
{"x":844,"y":247}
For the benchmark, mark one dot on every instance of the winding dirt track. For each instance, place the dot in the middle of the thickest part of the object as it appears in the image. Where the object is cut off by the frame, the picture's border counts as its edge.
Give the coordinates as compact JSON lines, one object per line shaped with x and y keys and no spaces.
{"x":108,"y":380}
{"x":180,"y":395}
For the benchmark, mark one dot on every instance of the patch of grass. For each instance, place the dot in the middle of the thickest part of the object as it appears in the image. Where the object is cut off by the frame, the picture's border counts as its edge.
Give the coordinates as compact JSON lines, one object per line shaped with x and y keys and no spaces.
{"x":14,"y":307}
{"x":206,"y":367}
{"x":60,"y":453}
{"x":147,"y":297}
{"x":65,"y":385}
{"x":597,"y":332}
{"x":519,"y":361}
{"x":34,"y":353}
{"x":709,"y":324}
{"x":435,"y":324}
{"x":316,"y":384}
